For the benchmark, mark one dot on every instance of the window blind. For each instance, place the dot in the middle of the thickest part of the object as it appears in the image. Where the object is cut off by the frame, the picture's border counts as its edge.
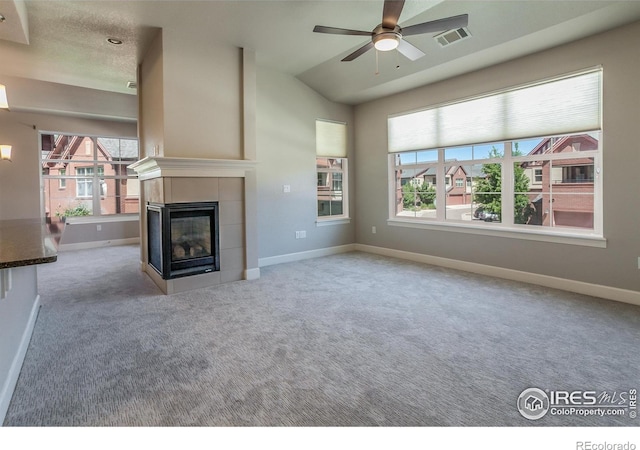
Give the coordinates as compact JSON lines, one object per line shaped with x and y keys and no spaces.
{"x":331,"y":139}
{"x":564,"y":105}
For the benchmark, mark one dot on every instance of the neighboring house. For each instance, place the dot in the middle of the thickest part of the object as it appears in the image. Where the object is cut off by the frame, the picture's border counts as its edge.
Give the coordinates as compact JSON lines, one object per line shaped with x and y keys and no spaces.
{"x":562,"y":190}
{"x":88,"y":174}
{"x":457,"y":184}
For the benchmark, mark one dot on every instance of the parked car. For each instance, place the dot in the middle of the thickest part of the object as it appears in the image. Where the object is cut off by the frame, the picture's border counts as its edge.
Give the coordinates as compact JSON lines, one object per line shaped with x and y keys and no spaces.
{"x":487,"y":216}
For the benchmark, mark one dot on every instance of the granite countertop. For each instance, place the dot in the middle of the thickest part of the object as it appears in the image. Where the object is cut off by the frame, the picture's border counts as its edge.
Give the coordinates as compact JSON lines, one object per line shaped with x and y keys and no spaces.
{"x":25,"y":242}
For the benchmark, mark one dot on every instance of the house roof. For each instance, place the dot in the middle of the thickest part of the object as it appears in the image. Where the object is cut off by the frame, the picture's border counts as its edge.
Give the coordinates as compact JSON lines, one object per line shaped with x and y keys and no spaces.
{"x":122,"y":148}
{"x":65,"y":146}
{"x":554,"y":145}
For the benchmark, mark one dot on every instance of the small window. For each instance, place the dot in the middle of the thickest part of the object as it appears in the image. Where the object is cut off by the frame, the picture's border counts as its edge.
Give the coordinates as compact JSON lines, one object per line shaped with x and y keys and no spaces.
{"x":331,"y":170}
{"x":537,"y":175}
{"x":331,"y":188}
{"x":577,"y":174}
{"x":62,"y":182}
{"x":84,"y":186}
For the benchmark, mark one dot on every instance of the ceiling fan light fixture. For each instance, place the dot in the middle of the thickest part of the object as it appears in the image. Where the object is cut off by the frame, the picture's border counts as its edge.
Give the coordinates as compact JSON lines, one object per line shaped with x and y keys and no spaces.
{"x":388,"y":35}
{"x":385,"y":42}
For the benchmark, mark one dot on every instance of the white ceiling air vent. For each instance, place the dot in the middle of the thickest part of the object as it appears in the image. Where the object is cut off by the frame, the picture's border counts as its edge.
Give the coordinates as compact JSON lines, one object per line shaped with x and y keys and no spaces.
{"x":451,"y":36}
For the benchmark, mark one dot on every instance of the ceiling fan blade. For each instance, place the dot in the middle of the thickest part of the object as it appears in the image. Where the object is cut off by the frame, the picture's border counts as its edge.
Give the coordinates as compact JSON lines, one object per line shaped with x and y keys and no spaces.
{"x":391,"y":13}
{"x":434,"y":26}
{"x":409,"y":50}
{"x":358,"y":52}
{"x":343,"y":31}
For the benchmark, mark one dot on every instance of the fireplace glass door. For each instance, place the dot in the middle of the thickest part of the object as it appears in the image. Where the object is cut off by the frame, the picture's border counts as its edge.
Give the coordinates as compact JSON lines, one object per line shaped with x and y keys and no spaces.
{"x":189,"y":238}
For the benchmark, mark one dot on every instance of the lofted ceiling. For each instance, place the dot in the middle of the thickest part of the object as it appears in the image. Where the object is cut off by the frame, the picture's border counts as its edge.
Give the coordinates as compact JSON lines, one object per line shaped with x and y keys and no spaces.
{"x":64,"y":42}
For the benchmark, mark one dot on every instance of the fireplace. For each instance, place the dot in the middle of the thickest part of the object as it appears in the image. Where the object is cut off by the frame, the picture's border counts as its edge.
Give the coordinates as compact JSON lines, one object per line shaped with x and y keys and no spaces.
{"x":183,"y":238}
{"x":229,"y":187}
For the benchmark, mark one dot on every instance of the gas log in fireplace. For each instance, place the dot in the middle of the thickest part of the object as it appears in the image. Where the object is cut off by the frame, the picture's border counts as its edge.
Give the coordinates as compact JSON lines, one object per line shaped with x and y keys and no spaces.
{"x":183,"y":238}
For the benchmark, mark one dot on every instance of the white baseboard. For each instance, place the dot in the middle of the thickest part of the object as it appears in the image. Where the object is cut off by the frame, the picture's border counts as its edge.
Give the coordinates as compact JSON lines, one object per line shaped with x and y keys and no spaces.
{"x":98,"y":244}
{"x":291,"y":257}
{"x":16,"y":365}
{"x":252,"y":274}
{"x":580,"y":287}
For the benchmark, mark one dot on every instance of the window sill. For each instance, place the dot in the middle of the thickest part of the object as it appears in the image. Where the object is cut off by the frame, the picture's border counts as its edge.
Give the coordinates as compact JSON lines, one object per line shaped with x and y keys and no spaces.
{"x":332,"y":221}
{"x":576,"y":238}
{"x":78,"y":220}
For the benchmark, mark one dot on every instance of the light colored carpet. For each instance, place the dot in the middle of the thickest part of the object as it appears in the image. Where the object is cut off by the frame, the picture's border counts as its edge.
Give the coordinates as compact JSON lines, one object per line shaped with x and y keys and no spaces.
{"x":346,"y":340}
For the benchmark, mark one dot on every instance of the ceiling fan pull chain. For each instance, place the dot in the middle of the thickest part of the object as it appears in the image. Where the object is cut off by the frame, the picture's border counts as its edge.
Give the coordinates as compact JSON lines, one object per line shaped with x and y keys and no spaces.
{"x":377,"y":70}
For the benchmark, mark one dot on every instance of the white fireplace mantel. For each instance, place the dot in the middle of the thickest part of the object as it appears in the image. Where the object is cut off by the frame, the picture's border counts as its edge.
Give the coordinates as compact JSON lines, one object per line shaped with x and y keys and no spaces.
{"x":159,"y":167}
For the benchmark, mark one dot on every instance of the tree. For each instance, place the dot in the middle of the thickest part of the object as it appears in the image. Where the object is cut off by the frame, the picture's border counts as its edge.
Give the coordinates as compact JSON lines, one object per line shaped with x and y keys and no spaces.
{"x":427,"y":194}
{"x":416,"y":195}
{"x":408,"y":196}
{"x":522,"y":209}
{"x":488,"y":189}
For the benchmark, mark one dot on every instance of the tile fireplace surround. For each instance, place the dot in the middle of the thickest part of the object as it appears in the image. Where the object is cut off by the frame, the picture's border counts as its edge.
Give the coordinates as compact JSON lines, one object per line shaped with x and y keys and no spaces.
{"x":189,"y":180}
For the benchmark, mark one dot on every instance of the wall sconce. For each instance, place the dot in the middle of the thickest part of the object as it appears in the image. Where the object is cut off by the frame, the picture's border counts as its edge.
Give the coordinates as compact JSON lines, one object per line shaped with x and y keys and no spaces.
{"x":3,"y":97}
{"x":5,"y":153}
{"x":5,"y":150}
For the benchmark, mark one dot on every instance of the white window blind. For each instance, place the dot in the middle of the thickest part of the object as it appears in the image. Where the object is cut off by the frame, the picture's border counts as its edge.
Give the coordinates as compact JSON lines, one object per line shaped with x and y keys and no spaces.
{"x":565,"y":105}
{"x":331,"y":139}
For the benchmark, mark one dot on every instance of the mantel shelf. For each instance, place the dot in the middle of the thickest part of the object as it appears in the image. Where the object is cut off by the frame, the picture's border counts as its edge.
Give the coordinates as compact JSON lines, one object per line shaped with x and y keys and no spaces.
{"x":159,"y":167}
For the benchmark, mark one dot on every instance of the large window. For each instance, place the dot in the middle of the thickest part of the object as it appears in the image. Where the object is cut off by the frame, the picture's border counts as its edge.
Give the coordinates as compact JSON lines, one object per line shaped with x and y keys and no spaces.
{"x":517,"y":183}
{"x":331,"y":170}
{"x":96,"y":171}
{"x":502,"y":186}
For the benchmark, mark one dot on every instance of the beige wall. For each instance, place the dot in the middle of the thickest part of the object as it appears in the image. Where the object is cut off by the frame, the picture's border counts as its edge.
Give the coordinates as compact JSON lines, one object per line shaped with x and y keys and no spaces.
{"x":28,"y":95}
{"x":191,"y":99}
{"x":18,"y":312}
{"x":287,"y":111}
{"x":202,"y":99}
{"x":151,"y":100}
{"x":616,"y":265}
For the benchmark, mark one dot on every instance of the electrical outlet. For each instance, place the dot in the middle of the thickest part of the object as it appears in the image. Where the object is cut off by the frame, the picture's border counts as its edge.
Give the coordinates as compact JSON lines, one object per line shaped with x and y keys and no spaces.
{"x":373,"y":230}
{"x":99,"y":227}
{"x":286,"y":188}
{"x":303,"y":234}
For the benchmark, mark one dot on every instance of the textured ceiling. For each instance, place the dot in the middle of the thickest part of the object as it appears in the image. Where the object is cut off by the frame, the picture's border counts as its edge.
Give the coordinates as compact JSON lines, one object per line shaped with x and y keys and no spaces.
{"x":67,"y":39}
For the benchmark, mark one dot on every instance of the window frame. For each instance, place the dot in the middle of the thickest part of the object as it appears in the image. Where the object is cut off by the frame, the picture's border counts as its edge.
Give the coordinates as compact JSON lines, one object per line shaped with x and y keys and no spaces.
{"x":506,"y":227}
{"x":343,"y":170}
{"x":562,"y":105}
{"x":537,"y":176}
{"x":85,"y":179}
{"x":331,"y":143}
{"x":62,"y":181}
{"x":95,"y":191}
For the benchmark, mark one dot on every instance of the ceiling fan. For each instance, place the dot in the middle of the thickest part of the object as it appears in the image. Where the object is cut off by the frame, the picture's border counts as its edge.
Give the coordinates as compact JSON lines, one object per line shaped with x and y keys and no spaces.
{"x":389,"y":35}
